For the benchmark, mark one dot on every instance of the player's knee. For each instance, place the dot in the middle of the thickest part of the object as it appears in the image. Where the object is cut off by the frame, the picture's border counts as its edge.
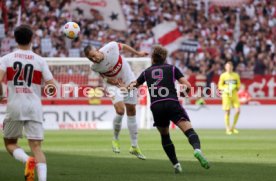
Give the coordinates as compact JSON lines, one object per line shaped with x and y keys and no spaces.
{"x":10,"y":148}
{"x":227,"y":112}
{"x":120,"y":108}
{"x":184,"y":125}
{"x":10,"y":145}
{"x":131,"y":110}
{"x":120,"y":111}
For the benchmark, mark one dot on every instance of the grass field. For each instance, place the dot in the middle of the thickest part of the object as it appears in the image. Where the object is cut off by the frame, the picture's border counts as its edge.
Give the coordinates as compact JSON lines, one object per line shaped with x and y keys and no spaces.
{"x":87,"y":156}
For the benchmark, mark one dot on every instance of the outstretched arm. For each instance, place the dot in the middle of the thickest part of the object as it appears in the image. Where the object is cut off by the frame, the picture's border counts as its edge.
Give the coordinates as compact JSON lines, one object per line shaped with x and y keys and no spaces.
{"x":133,"y":85}
{"x":140,"y":80}
{"x":128,"y":48}
{"x":2,"y":74}
{"x":186,"y":86}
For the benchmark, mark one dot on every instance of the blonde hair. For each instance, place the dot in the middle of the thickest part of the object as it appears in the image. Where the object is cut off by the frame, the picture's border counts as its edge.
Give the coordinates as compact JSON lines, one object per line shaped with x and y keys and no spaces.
{"x":159,"y":54}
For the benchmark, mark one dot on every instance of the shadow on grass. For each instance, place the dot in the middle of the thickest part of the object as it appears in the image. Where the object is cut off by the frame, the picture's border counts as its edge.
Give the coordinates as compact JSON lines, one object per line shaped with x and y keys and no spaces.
{"x":63,"y":167}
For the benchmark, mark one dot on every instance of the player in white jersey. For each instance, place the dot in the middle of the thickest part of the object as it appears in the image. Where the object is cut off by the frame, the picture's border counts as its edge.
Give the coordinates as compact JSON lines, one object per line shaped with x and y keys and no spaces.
{"x":108,"y":62}
{"x":25,"y":71}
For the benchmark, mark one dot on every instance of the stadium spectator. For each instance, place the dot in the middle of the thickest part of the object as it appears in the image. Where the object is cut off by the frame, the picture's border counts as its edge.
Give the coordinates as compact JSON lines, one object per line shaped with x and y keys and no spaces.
{"x":254,"y":53}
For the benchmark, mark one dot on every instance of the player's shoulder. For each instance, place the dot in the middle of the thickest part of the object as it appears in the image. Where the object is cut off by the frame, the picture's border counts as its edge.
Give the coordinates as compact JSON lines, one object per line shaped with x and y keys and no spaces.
{"x":167,"y":65}
{"x":7,"y":56}
{"x":38,"y":58}
{"x":236,"y":74}
{"x":111,"y":44}
{"x":223,"y":74}
{"x":93,"y":66}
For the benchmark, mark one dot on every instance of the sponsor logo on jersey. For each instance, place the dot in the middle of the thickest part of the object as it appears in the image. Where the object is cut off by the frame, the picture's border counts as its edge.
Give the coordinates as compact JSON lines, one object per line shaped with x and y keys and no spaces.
{"x":116,"y":69}
{"x":24,"y":56}
{"x":230,"y":82}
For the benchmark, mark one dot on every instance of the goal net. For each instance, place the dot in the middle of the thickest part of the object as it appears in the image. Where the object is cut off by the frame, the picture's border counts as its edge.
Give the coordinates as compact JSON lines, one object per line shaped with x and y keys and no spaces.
{"x":74,"y":75}
{"x":77,"y":72}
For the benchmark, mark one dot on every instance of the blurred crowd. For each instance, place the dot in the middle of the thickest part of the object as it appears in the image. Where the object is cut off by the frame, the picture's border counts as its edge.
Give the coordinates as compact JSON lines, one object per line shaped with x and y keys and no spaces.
{"x":251,"y":49}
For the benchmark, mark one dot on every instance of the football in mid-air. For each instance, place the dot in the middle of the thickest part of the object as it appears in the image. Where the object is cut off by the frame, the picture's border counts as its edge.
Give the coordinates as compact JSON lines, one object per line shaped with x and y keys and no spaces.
{"x":71,"y":30}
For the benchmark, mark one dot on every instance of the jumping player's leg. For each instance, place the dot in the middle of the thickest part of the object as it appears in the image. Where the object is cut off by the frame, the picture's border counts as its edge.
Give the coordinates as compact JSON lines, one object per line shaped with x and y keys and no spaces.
{"x":133,"y":131}
{"x":186,"y":127}
{"x":117,"y":122}
{"x":132,"y":124}
{"x":118,"y":102}
{"x":130,"y":100}
{"x":168,"y":147}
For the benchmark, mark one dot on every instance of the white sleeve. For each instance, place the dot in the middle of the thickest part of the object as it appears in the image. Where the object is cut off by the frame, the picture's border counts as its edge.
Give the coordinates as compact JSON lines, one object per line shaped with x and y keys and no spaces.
{"x":46,"y":73}
{"x":3,"y":65}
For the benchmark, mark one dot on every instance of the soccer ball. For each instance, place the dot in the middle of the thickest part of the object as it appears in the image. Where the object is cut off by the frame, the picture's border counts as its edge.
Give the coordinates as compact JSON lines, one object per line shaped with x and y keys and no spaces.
{"x":71,"y":30}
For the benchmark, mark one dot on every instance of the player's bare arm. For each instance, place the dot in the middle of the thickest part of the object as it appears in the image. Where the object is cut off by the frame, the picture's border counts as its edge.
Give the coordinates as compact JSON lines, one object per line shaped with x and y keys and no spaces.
{"x":220,"y":83}
{"x":131,"y":86}
{"x":186,"y":86}
{"x":126,"y":47}
{"x":2,"y":74}
{"x":113,"y":81}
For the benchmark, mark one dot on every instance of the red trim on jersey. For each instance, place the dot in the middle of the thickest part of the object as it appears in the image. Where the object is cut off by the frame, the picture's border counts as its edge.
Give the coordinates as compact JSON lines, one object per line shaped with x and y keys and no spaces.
{"x":37,"y":75}
{"x":120,"y":46}
{"x":116,"y":69}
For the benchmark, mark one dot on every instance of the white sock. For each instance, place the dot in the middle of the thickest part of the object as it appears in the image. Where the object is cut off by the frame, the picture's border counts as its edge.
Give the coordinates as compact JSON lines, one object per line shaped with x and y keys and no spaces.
{"x":20,"y":155}
{"x":41,"y":171}
{"x":198,"y":150}
{"x":117,"y":125}
{"x":132,"y":127}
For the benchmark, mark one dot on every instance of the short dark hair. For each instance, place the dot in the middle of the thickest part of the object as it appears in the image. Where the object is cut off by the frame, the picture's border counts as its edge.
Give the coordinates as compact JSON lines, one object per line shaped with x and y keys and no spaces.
{"x":86,"y":50}
{"x":23,"y":34}
{"x":159,"y":54}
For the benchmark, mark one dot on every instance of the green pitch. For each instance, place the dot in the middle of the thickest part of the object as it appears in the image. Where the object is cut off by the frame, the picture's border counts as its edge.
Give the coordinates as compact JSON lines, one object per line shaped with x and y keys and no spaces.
{"x":87,"y":156}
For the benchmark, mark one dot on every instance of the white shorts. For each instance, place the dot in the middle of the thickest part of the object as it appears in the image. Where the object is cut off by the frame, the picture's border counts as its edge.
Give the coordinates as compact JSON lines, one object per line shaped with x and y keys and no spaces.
{"x":118,"y":96}
{"x":14,"y":129}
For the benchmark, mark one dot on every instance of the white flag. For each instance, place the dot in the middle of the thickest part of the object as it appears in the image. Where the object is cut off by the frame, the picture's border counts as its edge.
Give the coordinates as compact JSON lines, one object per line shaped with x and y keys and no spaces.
{"x":168,"y":35}
{"x":19,"y":16}
{"x":110,"y":10}
{"x":229,"y":3}
{"x":237,"y":32}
